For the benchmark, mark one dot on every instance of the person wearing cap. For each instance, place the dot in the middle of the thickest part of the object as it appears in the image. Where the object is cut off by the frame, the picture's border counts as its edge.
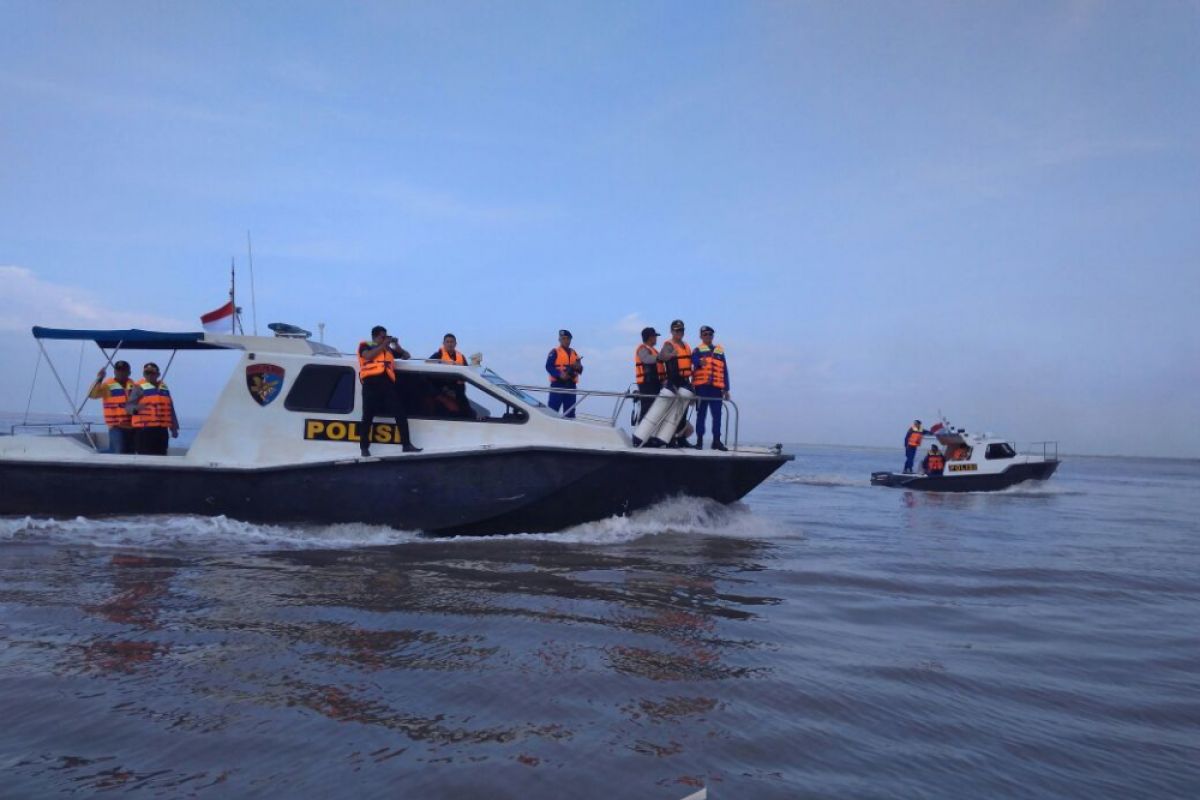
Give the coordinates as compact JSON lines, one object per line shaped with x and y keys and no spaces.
{"x":115,"y":394}
{"x":934,"y":462}
{"x":677,"y":356}
{"x":564,"y":366}
{"x":710,"y":379}
{"x":912,"y":442}
{"x":648,"y":369}
{"x":153,"y":413}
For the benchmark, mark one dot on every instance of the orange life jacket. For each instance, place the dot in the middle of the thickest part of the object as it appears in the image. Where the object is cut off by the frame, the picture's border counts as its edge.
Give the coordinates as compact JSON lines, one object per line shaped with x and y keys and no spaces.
{"x":458,"y":358}
{"x":154,"y":407}
{"x":934,"y":462}
{"x":639,"y":369}
{"x":116,"y":395}
{"x":711,"y":371}
{"x":382,"y":364}
{"x":566,"y":358}
{"x":914,"y":438}
{"x":683,"y":358}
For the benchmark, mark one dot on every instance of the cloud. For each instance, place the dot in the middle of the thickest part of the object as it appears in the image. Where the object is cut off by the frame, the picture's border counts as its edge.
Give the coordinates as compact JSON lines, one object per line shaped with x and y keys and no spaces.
{"x":630,"y":323}
{"x":30,"y":301}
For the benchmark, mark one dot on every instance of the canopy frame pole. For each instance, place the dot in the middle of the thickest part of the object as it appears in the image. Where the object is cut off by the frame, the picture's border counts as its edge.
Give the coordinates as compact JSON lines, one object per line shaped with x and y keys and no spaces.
{"x":70,"y":403}
{"x":107,"y":364}
{"x":32,"y":386}
{"x":170,"y":361}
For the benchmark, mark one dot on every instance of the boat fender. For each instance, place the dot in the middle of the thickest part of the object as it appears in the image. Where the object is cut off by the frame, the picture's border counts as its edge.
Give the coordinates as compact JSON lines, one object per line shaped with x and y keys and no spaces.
{"x":670,"y":423}
{"x":653,"y":418}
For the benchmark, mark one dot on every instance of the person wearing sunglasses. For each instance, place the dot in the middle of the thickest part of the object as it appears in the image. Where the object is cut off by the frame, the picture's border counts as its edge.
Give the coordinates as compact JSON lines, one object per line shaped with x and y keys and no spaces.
{"x":153,"y":413}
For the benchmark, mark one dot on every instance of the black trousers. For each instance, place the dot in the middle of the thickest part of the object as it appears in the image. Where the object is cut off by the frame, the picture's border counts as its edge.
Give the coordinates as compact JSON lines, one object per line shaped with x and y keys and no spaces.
{"x":151,"y":441}
{"x":382,"y":398}
{"x":653,"y":388}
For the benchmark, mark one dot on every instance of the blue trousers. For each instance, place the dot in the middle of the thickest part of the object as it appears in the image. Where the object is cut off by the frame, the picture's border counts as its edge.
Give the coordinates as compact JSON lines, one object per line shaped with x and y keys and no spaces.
{"x":909,"y":454}
{"x":120,"y":440}
{"x":561,"y":400}
{"x":710,"y":400}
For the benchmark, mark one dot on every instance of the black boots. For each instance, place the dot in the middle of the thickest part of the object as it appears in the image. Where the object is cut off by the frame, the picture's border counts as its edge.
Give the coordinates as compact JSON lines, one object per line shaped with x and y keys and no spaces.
{"x":717,"y":445}
{"x":699,"y":442}
{"x":409,"y":447}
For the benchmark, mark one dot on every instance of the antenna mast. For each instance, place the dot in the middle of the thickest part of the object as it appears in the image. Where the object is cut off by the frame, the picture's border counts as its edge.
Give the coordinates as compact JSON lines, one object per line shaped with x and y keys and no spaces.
{"x":253,"y":304}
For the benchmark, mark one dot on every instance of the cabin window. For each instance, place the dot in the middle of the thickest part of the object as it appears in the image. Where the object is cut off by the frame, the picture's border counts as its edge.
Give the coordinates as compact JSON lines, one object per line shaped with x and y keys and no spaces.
{"x":999,"y":450}
{"x":322,"y":388}
{"x":430,"y":395}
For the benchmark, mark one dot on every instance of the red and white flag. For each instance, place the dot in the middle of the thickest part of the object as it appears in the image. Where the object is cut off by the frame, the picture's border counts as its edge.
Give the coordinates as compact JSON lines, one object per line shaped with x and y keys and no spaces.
{"x":219,"y":321}
{"x":936,"y":428}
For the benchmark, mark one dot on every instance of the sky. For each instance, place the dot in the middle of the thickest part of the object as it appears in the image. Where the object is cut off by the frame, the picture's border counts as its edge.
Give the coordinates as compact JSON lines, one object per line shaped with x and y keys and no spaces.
{"x":885,"y":210}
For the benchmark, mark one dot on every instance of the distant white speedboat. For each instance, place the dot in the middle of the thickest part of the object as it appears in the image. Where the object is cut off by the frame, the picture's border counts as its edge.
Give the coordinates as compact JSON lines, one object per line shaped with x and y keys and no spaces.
{"x":976,"y":463}
{"x":281,"y":444}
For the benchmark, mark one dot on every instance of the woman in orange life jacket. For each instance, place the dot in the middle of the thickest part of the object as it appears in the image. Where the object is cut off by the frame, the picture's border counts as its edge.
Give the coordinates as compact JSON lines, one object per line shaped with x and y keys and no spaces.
{"x":649,"y":371}
{"x":380,"y":394}
{"x":912,"y":441}
{"x":677,"y":356}
{"x":153,"y":413}
{"x":115,"y":395}
{"x":710,"y":376}
{"x":934,"y":462}
{"x":564,"y":366}
{"x":452,"y":395}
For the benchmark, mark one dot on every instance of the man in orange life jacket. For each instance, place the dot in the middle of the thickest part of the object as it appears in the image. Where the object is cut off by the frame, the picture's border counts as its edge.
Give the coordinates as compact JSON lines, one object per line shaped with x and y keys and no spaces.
{"x":648,"y":369}
{"x":115,"y":396}
{"x":380,"y":391}
{"x":452,"y":394}
{"x":153,"y":413}
{"x":934,"y":462}
{"x":564,"y":366}
{"x":710,"y":377}
{"x":912,"y":442}
{"x":677,"y":356}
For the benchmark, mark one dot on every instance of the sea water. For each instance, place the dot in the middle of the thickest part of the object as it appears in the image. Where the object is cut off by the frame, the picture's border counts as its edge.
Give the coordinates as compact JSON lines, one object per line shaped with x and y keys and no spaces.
{"x":825,"y":638}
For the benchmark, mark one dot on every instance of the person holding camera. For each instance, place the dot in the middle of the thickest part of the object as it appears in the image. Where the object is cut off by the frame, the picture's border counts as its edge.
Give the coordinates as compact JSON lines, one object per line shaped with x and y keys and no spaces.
{"x":380,"y":391}
{"x":564,"y":366}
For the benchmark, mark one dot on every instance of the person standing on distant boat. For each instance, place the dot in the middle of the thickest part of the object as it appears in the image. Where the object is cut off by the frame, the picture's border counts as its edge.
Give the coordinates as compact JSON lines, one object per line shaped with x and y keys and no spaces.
{"x":912,"y":442}
{"x":710,"y":377}
{"x":648,"y":369}
{"x":934,"y":462}
{"x":153,"y":413}
{"x":380,"y":392}
{"x":564,"y":366}
{"x":115,"y":396}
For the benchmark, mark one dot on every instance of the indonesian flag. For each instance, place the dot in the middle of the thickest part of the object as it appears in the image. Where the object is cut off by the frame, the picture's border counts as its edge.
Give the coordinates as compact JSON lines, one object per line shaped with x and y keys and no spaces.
{"x":936,"y":428}
{"x":219,"y":321}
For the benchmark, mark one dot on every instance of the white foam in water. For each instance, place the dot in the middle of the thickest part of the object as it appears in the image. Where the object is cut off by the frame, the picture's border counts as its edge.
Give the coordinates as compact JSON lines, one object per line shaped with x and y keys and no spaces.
{"x":680,"y":515}
{"x":820,"y":480}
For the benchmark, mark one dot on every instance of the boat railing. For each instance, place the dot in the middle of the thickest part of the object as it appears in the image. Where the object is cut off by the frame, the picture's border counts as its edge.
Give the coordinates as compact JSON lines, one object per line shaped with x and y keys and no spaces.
{"x":730,"y":418}
{"x":1048,"y":449}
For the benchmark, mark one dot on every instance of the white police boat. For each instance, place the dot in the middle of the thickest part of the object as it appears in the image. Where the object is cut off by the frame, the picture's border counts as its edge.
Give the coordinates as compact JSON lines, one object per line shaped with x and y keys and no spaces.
{"x":976,"y":463}
{"x":281,"y":444}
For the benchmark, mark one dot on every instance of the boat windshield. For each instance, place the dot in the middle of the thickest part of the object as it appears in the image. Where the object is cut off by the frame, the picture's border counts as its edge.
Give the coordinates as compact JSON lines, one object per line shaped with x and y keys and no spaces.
{"x":500,"y":383}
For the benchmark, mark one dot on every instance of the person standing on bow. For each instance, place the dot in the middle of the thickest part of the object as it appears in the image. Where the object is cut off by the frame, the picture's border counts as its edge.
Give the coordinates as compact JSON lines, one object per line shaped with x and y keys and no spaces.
{"x":153,"y":413}
{"x":677,"y":356}
{"x":648,"y":369}
{"x":380,"y":391}
{"x":710,"y":377}
{"x":912,"y":442}
{"x":564,"y":367}
{"x":115,"y":395}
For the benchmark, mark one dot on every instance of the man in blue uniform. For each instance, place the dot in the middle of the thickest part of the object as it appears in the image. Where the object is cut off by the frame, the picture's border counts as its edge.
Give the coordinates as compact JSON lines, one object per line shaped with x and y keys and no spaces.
{"x":710,"y":379}
{"x":564,"y":366}
{"x":912,"y":443}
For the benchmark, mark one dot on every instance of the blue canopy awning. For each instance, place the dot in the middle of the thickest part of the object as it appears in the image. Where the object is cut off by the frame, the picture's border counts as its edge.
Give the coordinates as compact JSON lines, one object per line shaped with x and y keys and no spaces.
{"x":131,"y":339}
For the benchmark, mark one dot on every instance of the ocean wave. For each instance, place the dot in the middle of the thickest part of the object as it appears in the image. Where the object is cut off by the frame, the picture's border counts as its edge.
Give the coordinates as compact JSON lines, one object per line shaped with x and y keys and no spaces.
{"x":174,"y":532}
{"x":830,"y":480}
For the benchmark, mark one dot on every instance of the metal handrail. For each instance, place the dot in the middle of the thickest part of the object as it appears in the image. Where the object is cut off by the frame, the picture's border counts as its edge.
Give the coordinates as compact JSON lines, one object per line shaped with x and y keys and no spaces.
{"x":729,"y":419}
{"x":1049,"y":446}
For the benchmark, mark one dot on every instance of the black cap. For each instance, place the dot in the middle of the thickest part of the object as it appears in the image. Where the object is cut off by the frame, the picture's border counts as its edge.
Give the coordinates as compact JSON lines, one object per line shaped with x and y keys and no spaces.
{"x":677,"y":325}
{"x":121,"y":365}
{"x":706,"y":329}
{"x":648,"y":332}
{"x":565,"y":332}
{"x":916,"y":422}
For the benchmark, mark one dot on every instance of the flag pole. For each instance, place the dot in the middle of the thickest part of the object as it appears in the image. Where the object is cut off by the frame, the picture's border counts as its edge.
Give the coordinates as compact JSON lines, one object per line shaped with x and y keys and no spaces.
{"x":232,"y":289}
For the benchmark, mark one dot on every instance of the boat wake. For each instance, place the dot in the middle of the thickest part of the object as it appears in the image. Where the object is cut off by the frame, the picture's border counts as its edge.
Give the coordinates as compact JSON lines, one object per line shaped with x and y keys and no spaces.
{"x":185,"y":532}
{"x":820,"y":480}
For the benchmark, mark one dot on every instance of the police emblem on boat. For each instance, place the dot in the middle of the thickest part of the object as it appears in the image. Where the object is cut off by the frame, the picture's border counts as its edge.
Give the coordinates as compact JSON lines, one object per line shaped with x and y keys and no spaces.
{"x":264,"y":382}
